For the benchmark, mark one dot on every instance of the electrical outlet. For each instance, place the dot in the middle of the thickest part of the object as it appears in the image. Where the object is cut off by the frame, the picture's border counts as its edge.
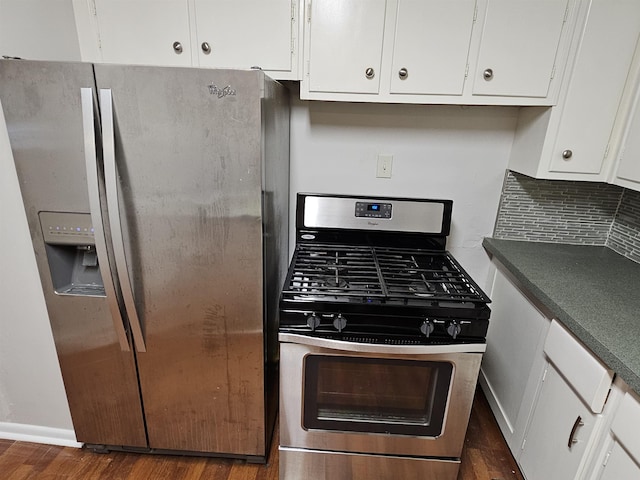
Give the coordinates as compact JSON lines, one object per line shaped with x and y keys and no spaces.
{"x":384,"y":166}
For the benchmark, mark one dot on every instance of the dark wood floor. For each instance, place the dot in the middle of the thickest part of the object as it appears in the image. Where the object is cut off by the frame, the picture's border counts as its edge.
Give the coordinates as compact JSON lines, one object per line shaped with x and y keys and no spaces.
{"x":485,"y":457}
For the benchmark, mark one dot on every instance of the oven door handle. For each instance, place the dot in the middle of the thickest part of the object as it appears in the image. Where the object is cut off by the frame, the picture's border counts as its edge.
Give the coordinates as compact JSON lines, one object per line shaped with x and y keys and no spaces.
{"x":380,"y":348}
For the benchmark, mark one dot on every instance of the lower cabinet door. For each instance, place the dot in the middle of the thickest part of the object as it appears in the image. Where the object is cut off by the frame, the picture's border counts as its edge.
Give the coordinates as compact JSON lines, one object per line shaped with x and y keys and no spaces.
{"x":622,"y":460}
{"x":620,"y":465}
{"x":558,"y":432}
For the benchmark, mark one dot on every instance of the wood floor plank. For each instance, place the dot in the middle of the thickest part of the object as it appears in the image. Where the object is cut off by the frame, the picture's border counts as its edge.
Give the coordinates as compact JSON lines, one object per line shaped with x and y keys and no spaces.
{"x":485,"y":457}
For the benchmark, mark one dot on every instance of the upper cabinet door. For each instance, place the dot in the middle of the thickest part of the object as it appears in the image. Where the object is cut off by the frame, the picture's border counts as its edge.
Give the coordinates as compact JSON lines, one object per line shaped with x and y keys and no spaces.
{"x":345,"y":45}
{"x":431,"y":46}
{"x":628,"y":174}
{"x":596,"y":86}
{"x":244,"y":33}
{"x":518,"y":47}
{"x":146,"y":32}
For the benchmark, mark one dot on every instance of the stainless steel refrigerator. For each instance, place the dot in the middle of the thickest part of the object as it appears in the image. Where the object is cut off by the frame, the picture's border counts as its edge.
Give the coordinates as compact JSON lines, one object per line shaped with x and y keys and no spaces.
{"x":157,"y":200}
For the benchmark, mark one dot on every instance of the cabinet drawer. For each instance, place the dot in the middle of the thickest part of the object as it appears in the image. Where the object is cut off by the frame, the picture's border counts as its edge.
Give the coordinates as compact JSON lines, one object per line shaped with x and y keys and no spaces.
{"x":588,"y":376}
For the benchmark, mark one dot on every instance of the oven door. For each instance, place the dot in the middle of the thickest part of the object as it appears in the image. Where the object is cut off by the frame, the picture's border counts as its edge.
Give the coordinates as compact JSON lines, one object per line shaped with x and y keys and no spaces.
{"x":381,"y":399}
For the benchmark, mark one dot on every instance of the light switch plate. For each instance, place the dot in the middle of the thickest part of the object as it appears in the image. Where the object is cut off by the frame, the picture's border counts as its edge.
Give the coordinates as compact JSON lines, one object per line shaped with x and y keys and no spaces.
{"x":385,"y":162}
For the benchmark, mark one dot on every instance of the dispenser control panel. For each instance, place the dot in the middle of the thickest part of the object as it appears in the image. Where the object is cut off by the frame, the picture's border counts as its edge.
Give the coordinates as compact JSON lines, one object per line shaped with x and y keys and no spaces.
{"x":67,"y":228}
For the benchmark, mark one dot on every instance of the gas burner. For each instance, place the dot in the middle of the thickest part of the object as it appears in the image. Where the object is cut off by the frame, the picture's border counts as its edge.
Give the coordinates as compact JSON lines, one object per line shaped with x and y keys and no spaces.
{"x":335,"y":284}
{"x":422,"y":289}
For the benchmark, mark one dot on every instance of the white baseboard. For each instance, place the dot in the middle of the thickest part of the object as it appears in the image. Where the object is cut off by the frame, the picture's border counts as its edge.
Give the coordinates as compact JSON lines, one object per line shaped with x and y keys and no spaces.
{"x":37,"y":434}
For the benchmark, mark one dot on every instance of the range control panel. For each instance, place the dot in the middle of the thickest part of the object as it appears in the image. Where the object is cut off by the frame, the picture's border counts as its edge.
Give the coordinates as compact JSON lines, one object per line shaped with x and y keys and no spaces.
{"x":373,"y":210}
{"x":67,"y":228}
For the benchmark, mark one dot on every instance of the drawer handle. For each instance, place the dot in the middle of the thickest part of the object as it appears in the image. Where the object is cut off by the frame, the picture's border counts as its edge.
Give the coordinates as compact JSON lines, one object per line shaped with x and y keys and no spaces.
{"x":488,"y":74}
{"x":578,"y":423}
{"x":567,"y":154}
{"x":369,"y":73}
{"x":177,"y":47}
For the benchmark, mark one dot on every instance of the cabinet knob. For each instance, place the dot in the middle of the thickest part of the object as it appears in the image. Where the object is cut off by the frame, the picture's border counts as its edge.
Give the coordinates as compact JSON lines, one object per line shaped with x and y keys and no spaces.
{"x":567,"y":154}
{"x":403,"y":73}
{"x":369,"y":73}
{"x":206,"y":48}
{"x":487,"y":74}
{"x":177,"y":47}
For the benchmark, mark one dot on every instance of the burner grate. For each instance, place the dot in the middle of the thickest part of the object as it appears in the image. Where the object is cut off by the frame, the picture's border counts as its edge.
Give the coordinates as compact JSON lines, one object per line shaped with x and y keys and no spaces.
{"x":335,"y":271}
{"x":360,"y":273}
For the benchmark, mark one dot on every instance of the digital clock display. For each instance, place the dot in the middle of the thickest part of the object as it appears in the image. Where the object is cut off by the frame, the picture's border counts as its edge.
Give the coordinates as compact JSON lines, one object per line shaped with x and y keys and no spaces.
{"x":373,"y":210}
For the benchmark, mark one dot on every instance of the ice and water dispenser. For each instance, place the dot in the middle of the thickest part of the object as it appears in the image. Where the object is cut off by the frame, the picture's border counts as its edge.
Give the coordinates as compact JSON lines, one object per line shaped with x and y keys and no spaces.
{"x":71,"y":251}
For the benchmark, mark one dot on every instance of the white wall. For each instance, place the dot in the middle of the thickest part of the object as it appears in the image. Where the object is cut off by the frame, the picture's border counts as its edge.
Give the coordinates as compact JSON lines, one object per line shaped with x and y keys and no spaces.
{"x":33,"y":404}
{"x":449,"y":152}
{"x":38,"y":30}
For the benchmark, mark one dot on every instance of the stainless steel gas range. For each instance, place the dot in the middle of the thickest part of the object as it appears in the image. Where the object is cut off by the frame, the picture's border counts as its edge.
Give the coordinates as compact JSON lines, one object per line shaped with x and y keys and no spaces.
{"x":381,"y":337}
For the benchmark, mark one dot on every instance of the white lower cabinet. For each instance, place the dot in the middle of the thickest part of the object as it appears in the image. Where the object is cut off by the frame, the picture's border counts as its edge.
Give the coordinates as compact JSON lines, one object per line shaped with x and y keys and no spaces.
{"x":513,"y":364}
{"x":560,"y":418}
{"x":563,"y":424}
{"x":547,"y":391}
{"x":618,"y":455}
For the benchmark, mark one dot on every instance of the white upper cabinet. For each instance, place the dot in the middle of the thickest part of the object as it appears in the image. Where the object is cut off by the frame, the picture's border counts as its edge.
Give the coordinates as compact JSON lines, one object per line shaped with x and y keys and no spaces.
{"x":520,"y":40}
{"x":199,"y":33}
{"x":571,"y":141}
{"x":146,"y":32}
{"x":627,"y":170}
{"x":345,"y":45}
{"x":431,"y":46}
{"x":422,"y":51}
{"x":244,"y":34}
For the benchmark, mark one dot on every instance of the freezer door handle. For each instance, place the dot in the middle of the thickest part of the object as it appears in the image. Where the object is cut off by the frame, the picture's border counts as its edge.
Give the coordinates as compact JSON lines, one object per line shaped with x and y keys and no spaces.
{"x":113,"y":207}
{"x":91,"y":161}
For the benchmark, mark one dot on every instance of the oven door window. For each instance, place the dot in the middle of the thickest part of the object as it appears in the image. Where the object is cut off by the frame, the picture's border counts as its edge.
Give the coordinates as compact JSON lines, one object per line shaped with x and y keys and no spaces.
{"x":354,"y":394}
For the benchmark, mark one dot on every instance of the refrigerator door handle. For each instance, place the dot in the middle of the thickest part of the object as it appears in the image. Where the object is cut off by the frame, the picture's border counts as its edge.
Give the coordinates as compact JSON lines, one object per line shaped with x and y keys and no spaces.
{"x":91,"y":161}
{"x":113,"y":206}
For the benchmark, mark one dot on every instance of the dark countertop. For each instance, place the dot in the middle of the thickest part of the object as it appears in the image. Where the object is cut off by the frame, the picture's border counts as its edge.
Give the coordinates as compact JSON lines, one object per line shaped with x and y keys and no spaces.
{"x":593,"y":291}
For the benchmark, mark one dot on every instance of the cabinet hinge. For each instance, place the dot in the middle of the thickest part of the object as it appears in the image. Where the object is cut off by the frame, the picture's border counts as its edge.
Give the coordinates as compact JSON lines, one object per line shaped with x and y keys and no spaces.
{"x":523,"y":442}
{"x":553,"y":71}
{"x":606,"y":458}
{"x":475,"y":14}
{"x":293,"y":9}
{"x":92,"y":7}
{"x":293,"y":45}
{"x":566,"y":13}
{"x":466,"y":71}
{"x":544,"y":375}
{"x":606,"y":151}
{"x":309,"y":11}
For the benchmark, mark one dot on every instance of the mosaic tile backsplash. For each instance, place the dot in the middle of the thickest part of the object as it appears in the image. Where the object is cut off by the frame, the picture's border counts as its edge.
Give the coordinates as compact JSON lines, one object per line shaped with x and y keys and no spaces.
{"x":581,"y":213}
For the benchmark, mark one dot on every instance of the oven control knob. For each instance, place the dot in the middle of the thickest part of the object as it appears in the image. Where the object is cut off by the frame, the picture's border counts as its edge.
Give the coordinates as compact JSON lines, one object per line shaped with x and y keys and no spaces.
{"x":427,"y":327}
{"x":339,"y":322}
{"x":313,"y":321}
{"x":454,"y":329}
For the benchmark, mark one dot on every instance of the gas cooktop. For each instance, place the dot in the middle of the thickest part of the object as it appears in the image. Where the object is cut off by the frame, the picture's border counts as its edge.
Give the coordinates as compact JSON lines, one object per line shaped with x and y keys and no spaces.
{"x":372,"y":280}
